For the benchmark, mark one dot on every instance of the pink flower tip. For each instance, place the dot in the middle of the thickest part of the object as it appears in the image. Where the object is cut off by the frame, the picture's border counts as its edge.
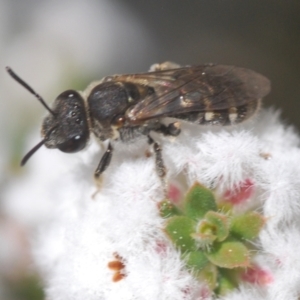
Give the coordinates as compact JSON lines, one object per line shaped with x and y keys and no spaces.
{"x":257,"y":275}
{"x":174,"y":193}
{"x":240,"y":193}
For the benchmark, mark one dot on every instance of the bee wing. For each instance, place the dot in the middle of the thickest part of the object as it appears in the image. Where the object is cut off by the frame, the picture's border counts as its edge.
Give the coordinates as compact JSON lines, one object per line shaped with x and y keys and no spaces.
{"x":195,"y":89}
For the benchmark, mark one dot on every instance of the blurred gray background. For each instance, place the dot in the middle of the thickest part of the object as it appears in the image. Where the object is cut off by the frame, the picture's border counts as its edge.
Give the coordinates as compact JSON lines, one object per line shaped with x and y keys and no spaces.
{"x":263,"y":35}
{"x":56,"y":45}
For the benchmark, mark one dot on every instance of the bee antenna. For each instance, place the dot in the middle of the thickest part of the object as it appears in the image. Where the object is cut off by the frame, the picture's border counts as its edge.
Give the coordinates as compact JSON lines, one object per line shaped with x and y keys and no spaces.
{"x":30,"y":89}
{"x":37,"y":147}
{"x":32,"y":151}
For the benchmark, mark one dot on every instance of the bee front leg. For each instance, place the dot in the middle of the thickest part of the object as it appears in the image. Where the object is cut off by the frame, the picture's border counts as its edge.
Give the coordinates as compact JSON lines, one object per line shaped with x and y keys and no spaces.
{"x":104,"y":162}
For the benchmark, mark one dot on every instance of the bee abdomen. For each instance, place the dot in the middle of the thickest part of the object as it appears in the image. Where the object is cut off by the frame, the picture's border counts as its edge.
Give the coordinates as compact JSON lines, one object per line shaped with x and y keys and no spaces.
{"x":230,"y":116}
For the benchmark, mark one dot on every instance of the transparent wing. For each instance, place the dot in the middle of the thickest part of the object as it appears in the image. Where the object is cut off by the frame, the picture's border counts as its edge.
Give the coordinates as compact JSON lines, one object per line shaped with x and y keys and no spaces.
{"x":195,"y":89}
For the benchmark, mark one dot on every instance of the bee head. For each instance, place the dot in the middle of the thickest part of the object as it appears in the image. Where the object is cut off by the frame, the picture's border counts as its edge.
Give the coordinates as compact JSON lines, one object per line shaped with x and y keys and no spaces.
{"x":66,"y":127}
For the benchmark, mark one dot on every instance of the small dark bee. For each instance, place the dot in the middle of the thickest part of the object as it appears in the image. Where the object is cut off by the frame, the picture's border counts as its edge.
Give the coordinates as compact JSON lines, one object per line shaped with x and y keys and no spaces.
{"x":125,"y":107}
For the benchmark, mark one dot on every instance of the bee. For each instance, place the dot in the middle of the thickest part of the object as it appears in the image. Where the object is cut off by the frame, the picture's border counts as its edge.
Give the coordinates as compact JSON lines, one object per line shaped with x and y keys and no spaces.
{"x":127,"y":107}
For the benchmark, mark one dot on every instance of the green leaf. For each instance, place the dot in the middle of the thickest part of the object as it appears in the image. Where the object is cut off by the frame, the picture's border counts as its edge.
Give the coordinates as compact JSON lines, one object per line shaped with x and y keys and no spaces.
{"x":25,"y":288}
{"x":226,"y":282}
{"x":209,"y":274}
{"x":247,"y":226}
{"x":219,"y":224}
{"x":167,"y":209}
{"x":179,"y":229}
{"x":198,"y":201}
{"x":196,"y":261}
{"x":229,"y":254}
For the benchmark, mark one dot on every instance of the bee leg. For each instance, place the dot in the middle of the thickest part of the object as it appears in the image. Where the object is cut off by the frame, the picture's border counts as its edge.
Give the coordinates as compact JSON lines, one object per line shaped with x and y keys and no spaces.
{"x":103,"y":164}
{"x":173,"y":129}
{"x":159,"y":163}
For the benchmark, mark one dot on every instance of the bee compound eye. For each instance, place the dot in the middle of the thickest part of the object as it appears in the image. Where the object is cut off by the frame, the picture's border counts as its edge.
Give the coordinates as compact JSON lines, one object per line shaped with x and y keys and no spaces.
{"x":73,"y":144}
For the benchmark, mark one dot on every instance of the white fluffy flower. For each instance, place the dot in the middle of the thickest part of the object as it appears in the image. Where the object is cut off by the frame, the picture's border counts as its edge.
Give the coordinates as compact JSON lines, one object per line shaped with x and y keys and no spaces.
{"x":80,"y":235}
